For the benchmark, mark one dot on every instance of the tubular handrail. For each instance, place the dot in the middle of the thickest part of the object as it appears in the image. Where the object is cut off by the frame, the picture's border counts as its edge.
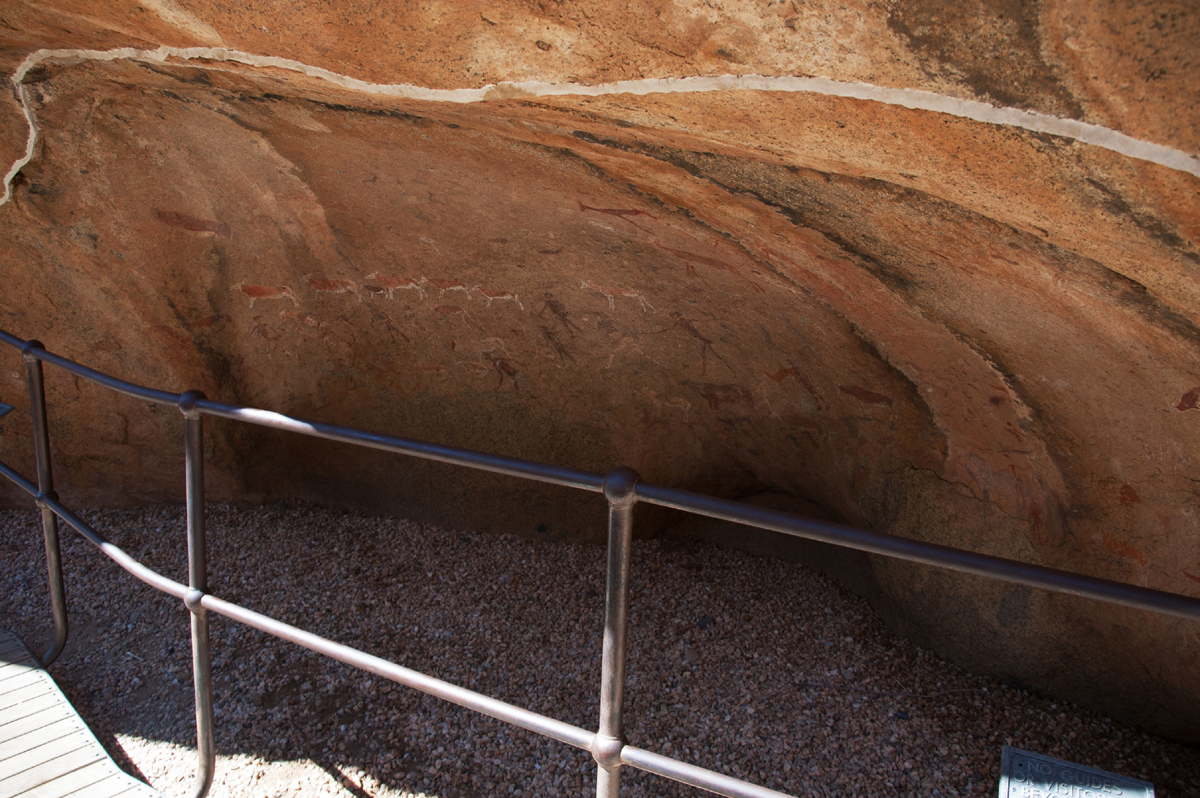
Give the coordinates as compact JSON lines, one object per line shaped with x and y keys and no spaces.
{"x":563,"y":732}
{"x":622,"y":488}
{"x":927,"y":553}
{"x":110,"y":550}
{"x":499,"y":464}
{"x":33,"y":348}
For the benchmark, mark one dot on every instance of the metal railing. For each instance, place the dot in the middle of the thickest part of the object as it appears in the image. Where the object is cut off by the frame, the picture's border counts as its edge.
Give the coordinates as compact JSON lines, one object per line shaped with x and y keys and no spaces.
{"x":621,"y":487}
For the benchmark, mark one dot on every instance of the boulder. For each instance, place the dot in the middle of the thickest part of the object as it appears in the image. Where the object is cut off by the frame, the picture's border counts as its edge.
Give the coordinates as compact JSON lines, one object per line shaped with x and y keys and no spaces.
{"x":849,"y":283}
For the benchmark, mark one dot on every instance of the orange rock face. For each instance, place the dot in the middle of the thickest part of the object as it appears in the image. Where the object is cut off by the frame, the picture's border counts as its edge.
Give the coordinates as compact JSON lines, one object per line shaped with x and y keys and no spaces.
{"x":963,"y":332}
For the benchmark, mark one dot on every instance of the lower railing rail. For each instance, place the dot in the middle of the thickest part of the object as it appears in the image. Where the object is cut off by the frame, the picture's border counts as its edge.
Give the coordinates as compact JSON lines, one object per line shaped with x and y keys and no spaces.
{"x":621,"y":487}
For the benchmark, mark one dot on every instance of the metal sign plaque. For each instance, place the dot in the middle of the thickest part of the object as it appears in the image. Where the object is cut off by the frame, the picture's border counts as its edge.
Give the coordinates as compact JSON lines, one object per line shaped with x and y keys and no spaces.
{"x":1024,"y":774}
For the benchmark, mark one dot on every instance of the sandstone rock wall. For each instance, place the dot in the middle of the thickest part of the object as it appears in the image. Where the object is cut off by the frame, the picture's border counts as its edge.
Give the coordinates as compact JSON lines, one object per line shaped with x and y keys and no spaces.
{"x":970,"y":333}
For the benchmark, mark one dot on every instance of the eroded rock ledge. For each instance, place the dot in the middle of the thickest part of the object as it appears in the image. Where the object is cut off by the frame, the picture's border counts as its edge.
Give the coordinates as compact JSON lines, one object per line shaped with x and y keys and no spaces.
{"x":964,"y":332}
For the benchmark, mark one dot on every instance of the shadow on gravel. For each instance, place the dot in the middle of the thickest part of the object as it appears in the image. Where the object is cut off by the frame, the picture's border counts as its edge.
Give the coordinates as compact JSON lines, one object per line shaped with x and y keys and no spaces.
{"x":753,"y":667}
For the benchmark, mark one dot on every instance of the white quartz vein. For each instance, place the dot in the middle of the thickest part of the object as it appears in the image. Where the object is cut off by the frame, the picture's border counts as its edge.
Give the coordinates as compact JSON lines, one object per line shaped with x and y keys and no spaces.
{"x":1087,"y":133}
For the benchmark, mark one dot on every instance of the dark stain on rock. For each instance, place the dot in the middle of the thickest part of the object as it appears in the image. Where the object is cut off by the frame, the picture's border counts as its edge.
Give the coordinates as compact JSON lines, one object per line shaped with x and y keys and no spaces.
{"x":209,"y":321}
{"x":805,"y":196}
{"x":1156,"y":228}
{"x":740,"y":424}
{"x":993,"y":46}
{"x":1188,"y":400}
{"x":722,"y":396}
{"x":39,"y":190}
{"x":822,"y":201}
{"x":590,"y":138}
{"x":863,"y":395}
{"x":178,"y":72}
{"x":84,"y":235}
{"x":1128,"y":495}
{"x":1014,"y":607}
{"x":39,"y":74}
{"x":1135,"y":296}
{"x":414,"y":119}
{"x":185,"y":222}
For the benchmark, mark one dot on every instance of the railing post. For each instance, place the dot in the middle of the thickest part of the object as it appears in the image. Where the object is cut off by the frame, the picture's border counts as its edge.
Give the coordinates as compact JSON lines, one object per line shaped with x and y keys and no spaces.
{"x":41,"y":448}
{"x":198,"y":584}
{"x":606,"y":748}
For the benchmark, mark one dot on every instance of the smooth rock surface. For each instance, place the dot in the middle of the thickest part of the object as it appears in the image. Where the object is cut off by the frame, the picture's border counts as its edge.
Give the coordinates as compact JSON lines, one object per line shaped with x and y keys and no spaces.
{"x":962,"y":332}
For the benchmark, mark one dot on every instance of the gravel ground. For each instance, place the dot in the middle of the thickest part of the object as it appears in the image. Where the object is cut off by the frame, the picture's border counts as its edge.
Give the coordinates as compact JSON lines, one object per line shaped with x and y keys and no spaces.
{"x":753,"y":667}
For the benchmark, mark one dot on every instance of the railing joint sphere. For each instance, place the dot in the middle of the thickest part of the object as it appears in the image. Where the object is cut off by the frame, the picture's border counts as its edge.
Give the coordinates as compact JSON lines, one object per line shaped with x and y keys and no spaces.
{"x":187,"y":403}
{"x":619,"y":486}
{"x":42,"y":499}
{"x":29,"y":346}
{"x":192,"y":599}
{"x":607,"y":750}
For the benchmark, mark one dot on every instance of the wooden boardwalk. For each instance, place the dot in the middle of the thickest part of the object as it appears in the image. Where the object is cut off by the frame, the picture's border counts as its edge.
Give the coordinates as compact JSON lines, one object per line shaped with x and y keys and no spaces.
{"x":46,"y":750}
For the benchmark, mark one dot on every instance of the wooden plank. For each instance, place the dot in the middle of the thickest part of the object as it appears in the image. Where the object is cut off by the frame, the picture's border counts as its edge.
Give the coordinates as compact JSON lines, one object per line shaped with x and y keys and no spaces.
{"x":113,"y":782}
{"x":36,"y":738}
{"x":29,"y":677}
{"x":48,"y":701}
{"x":32,"y":676}
{"x":12,"y":643}
{"x":13,"y":652}
{"x":37,"y":720}
{"x":121,"y":784}
{"x":43,"y":754}
{"x":46,"y":750}
{"x":12,"y":703}
{"x":94,"y":781}
{"x":13,"y":648}
{"x":66,"y":762}
{"x":138,"y":791}
{"x":12,"y":682}
{"x":9,"y":701}
{"x":11,"y":666}
{"x":10,"y":670}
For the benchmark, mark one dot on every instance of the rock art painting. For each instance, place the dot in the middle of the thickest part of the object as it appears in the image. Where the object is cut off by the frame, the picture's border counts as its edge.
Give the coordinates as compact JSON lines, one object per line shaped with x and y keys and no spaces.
{"x":943,"y":297}
{"x":257,"y":292}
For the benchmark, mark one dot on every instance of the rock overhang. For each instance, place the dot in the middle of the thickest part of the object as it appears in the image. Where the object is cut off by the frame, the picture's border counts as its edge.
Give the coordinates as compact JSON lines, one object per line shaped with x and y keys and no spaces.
{"x":970,"y":333}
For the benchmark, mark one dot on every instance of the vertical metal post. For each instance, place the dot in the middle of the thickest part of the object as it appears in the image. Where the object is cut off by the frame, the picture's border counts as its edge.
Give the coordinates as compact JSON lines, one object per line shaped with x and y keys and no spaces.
{"x":619,"y":487}
{"x":41,"y":446}
{"x":198,"y":586}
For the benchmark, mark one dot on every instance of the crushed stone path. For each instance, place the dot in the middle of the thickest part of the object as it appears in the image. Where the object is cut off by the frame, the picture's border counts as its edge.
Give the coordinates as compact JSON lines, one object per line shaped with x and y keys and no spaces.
{"x":754,"y":667}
